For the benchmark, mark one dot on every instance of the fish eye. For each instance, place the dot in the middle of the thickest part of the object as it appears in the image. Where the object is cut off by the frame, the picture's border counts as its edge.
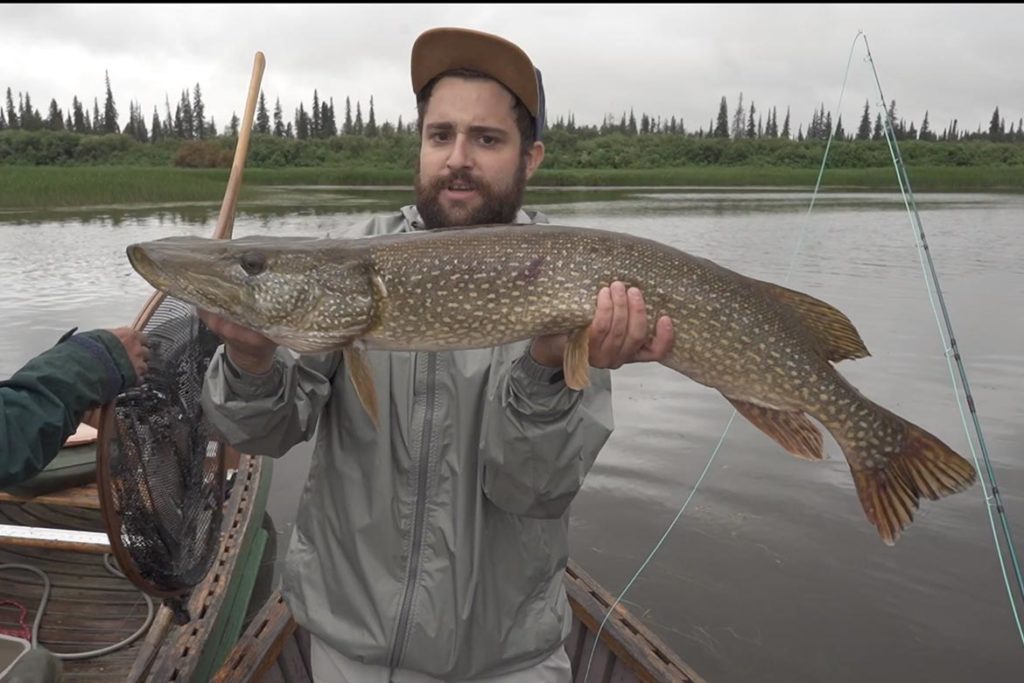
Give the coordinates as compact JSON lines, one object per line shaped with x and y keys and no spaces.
{"x":253,"y":262}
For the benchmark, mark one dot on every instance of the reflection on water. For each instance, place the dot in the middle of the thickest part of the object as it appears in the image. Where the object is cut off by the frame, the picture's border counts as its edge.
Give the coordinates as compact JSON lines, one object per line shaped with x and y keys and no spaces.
{"x":773,"y":573}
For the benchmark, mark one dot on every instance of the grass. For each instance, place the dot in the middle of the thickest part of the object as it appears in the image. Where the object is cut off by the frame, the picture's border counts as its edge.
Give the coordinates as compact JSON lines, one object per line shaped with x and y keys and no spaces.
{"x":41,"y":187}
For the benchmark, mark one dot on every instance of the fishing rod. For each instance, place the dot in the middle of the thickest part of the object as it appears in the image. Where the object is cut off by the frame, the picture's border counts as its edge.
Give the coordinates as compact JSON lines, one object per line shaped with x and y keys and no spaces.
{"x":952,"y":352}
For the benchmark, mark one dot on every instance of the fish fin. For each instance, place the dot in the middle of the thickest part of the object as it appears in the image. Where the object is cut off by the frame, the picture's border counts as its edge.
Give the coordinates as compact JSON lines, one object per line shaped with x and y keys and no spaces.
{"x":576,"y":363}
{"x":833,"y":330}
{"x":362,"y":380}
{"x":793,"y":430}
{"x":923,"y":467}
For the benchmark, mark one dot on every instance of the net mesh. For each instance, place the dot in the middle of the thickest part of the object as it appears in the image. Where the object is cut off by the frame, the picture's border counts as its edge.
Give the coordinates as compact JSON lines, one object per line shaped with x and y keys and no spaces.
{"x":166,"y":478}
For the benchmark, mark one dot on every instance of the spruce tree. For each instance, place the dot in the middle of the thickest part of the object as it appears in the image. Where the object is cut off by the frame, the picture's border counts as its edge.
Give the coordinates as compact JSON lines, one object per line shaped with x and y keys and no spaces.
{"x":55,"y":119}
{"x":315,"y":127}
{"x":156,"y":132}
{"x":371,"y":122}
{"x":262,"y":116}
{"x":109,"y":110}
{"x":722,"y":127}
{"x":12,"y":114}
{"x":278,"y":119}
{"x":198,"y":113}
{"x":864,"y":130}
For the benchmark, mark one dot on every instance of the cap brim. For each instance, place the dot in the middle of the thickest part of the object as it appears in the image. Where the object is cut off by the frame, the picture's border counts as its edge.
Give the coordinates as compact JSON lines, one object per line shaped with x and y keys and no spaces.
{"x":442,"y":49}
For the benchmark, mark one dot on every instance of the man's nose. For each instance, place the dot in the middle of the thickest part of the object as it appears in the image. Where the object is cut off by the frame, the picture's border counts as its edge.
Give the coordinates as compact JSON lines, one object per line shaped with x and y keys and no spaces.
{"x":461,"y":154}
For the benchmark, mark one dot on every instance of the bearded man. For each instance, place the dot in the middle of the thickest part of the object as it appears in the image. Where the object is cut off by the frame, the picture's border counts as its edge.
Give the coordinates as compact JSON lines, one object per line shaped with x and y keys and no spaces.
{"x":434,"y":548}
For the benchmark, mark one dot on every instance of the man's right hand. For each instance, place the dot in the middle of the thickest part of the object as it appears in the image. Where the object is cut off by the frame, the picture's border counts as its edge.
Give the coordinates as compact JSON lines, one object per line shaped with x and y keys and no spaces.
{"x":137,"y":347}
{"x":248,"y":350}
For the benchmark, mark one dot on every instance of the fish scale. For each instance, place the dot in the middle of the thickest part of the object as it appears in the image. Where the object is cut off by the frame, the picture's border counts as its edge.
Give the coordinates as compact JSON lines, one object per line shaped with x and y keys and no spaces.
{"x":767,"y":349}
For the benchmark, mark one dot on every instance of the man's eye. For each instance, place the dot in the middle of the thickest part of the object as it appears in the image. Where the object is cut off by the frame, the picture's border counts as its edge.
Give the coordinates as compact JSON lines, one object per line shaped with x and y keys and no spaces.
{"x":488,"y":140}
{"x":440,"y":137}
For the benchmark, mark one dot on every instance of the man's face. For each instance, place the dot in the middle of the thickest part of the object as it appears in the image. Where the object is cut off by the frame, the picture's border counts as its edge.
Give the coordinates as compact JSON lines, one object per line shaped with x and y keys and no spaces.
{"x":472,"y":170}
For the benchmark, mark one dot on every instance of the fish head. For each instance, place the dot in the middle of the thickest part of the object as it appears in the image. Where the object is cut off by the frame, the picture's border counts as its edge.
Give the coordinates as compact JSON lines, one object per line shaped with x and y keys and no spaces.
{"x":295,"y":291}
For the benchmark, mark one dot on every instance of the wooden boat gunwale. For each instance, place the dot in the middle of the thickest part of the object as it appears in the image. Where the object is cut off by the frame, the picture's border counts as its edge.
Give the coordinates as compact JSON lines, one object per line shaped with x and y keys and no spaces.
{"x":274,"y":649}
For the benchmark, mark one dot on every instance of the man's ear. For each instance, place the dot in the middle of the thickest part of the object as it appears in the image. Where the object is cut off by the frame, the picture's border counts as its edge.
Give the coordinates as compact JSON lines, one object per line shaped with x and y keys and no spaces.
{"x":533,"y":158}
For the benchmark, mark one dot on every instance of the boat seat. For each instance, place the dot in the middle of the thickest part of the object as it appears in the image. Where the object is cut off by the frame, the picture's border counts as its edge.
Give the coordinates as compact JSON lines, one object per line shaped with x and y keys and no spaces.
{"x":69,"y":480}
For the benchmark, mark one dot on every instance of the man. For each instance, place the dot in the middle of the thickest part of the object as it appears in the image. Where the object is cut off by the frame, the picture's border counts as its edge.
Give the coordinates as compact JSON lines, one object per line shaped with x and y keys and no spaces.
{"x":44,"y":402}
{"x":434,"y":548}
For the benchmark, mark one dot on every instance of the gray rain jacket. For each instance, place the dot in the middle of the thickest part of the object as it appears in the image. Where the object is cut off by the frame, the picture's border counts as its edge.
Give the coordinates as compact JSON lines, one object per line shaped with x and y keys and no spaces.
{"x":438,"y":544}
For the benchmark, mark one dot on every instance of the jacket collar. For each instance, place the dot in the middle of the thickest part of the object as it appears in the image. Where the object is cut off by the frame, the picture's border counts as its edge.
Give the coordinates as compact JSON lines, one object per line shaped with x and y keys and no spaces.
{"x":413,"y":221}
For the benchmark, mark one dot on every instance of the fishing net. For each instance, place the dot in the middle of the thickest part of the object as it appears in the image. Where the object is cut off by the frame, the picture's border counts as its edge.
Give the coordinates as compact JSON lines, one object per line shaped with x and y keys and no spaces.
{"x":161,"y":478}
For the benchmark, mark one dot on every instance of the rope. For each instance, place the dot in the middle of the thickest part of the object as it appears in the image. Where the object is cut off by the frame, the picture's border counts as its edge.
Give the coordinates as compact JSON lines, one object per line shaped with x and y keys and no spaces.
{"x":952,"y":353}
{"x":732,"y":417}
{"x":88,"y":654}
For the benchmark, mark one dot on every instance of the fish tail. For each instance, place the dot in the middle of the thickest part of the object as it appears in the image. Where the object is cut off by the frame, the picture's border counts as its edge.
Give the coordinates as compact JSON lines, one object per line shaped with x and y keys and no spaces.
{"x":891,"y":478}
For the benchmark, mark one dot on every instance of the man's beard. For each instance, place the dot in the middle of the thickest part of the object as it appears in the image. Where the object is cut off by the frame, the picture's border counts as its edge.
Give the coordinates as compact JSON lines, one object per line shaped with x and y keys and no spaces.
{"x":498,"y":206}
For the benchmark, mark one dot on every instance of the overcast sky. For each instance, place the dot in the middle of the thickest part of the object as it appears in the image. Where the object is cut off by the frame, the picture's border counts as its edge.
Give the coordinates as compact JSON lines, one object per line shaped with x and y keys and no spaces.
{"x":955,"y":61}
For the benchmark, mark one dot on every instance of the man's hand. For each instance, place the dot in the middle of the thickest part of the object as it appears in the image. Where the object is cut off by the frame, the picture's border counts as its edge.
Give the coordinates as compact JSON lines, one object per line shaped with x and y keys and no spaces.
{"x":136,"y":346}
{"x":618,"y":333}
{"x":248,"y":350}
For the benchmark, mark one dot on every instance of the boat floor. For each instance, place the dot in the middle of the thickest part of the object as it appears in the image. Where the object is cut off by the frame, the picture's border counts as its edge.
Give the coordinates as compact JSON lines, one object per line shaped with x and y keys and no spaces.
{"x":89,"y":608}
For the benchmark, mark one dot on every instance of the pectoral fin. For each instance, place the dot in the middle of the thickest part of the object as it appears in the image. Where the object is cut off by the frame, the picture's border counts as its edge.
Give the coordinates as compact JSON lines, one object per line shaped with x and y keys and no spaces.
{"x":793,"y":430}
{"x":362,"y":380}
{"x":576,"y":364}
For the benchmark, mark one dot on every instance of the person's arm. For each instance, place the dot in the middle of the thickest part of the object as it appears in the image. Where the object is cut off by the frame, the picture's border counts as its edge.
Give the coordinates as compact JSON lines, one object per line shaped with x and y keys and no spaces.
{"x":261,"y":399}
{"x":540,"y":438}
{"x":43,"y":403}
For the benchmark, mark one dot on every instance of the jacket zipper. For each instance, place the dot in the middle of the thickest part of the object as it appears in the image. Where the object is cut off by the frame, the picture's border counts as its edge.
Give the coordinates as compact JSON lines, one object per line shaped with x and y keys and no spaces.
{"x":423,"y":464}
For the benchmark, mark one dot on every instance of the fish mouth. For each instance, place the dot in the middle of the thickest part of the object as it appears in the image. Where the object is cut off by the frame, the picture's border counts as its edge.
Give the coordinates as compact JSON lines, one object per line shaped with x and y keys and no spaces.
{"x":147,"y":267}
{"x":192,"y":288}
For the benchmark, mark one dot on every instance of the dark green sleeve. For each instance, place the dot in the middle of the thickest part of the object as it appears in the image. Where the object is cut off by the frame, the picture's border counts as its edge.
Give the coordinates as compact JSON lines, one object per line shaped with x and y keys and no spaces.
{"x":43,"y":403}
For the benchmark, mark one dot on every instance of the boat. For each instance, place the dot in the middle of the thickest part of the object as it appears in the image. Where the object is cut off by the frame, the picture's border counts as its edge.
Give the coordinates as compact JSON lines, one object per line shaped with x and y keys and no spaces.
{"x":275,"y":649}
{"x":58,"y":528}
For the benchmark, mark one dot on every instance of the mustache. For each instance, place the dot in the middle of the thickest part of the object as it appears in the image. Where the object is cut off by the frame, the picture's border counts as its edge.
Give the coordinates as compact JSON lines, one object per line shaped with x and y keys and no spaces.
{"x":458,"y":177}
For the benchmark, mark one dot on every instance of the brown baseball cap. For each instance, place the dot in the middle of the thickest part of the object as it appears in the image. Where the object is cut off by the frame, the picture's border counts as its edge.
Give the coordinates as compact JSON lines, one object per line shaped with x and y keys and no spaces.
{"x":441,"y":49}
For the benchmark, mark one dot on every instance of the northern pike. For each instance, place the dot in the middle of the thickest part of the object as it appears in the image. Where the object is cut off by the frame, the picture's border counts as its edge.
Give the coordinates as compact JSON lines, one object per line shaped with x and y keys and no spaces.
{"x":767,"y":349}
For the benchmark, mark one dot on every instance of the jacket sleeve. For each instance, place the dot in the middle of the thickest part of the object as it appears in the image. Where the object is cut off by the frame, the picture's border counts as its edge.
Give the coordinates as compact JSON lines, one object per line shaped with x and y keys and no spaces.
{"x":43,"y":403}
{"x":268,"y":414}
{"x":540,"y":438}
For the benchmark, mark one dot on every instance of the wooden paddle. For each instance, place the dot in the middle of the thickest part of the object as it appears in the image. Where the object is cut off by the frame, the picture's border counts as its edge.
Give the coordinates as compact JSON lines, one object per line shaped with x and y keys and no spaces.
{"x":225,"y":224}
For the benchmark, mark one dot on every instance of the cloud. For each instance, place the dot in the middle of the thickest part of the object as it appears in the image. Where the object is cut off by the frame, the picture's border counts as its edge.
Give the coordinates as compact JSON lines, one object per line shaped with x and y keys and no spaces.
{"x":954,"y":61}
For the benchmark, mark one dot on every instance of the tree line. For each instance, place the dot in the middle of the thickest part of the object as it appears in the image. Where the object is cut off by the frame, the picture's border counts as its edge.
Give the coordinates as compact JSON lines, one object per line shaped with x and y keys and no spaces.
{"x":188,"y":121}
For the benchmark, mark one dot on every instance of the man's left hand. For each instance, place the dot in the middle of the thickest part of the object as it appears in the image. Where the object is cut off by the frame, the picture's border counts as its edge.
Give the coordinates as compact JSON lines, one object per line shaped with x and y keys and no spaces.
{"x":618,"y":333}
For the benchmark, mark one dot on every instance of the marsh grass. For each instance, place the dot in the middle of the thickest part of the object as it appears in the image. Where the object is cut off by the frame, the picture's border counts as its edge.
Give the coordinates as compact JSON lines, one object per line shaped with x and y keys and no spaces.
{"x":42,"y":187}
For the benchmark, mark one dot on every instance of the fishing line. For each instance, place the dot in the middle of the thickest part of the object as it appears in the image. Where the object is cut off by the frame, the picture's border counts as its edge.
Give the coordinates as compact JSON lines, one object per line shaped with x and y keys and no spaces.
{"x":952,"y":353}
{"x":732,"y":417}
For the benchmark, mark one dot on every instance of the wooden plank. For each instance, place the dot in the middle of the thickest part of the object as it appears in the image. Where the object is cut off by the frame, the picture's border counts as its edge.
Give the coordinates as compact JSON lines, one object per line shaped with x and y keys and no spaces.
{"x":626,"y":637}
{"x":257,"y":650}
{"x":65,"y":539}
{"x":593,"y":664}
{"x":239,"y":602}
{"x":247,"y":560}
{"x":190,"y":647}
{"x":78,"y":496}
{"x":291,"y":662}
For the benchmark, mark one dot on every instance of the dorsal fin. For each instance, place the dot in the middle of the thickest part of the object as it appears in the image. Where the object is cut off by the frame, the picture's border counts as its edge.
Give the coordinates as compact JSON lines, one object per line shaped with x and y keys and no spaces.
{"x":838,"y":337}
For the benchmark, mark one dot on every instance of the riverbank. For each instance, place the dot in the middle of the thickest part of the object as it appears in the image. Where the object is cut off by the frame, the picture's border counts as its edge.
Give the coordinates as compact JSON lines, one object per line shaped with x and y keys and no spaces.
{"x":41,"y":187}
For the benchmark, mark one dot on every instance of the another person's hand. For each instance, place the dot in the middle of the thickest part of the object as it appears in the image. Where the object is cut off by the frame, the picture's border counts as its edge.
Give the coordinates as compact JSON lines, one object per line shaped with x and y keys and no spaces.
{"x":248,"y":350}
{"x":618,"y":333}
{"x":137,"y":347}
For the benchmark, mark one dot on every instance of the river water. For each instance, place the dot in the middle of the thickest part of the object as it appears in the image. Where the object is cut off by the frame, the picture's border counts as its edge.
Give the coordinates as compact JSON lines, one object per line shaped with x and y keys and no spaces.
{"x":772,"y":573}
